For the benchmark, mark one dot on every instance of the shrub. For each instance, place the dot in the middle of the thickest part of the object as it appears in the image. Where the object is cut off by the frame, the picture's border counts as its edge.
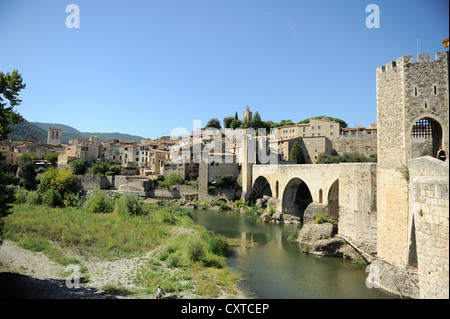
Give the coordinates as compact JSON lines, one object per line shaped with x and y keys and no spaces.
{"x":78,"y":166}
{"x":34,"y":198}
{"x":218,"y":245}
{"x":225,"y":181}
{"x":53,"y":198}
{"x":100,"y":203}
{"x":62,"y":181}
{"x":28,"y":157}
{"x":212,"y":190}
{"x":172,"y":180}
{"x":46,"y":179}
{"x":322,"y":218}
{"x":100,"y":168}
{"x":173,"y":260}
{"x":195,"y":248}
{"x":52,"y":158}
{"x":404,"y":170}
{"x":115,"y":169}
{"x":40,"y":170}
{"x":129,"y":204}
{"x":21,"y":196}
{"x":71,"y":200}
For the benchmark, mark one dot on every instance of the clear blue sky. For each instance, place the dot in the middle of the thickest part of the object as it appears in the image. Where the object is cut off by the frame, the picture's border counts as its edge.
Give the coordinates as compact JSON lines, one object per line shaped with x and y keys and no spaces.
{"x":148,"y":67}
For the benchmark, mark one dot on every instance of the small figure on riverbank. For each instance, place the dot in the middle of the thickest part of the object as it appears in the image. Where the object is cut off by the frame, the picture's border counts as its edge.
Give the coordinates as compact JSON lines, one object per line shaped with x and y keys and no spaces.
{"x":159,"y":292}
{"x":441,"y":154}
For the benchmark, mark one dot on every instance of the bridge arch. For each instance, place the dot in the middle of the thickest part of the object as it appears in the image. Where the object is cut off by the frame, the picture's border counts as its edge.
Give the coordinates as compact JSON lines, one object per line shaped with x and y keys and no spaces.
{"x":261,"y":187}
{"x":296,"y":197}
{"x":333,"y":200}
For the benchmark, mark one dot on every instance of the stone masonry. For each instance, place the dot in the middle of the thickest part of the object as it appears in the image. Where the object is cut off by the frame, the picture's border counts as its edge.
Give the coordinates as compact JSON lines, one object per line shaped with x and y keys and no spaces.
{"x":406,"y":92}
{"x":412,"y":226}
{"x":429,"y":215}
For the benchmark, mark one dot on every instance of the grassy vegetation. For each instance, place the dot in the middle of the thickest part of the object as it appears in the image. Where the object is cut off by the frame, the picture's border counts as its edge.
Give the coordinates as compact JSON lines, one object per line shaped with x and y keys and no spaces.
{"x":192,"y":260}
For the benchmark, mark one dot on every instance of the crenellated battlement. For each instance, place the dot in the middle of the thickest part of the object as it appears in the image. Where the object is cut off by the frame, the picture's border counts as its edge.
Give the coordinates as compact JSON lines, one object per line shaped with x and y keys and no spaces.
{"x":408,"y":59}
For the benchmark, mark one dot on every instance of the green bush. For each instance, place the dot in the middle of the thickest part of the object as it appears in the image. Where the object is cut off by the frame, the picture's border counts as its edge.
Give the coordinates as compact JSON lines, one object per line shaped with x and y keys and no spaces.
{"x":100,"y":168}
{"x":28,"y":157}
{"x":52,"y":198}
{"x":129,"y":204}
{"x":225,"y":181}
{"x":62,"y":181}
{"x":195,"y":248}
{"x":78,"y":166}
{"x":21,"y":196}
{"x":174,"y":260}
{"x":100,"y":203}
{"x":115,"y":169}
{"x":354,"y":157}
{"x":41,"y":170}
{"x":72,"y":200}
{"x":322,"y":218}
{"x":52,"y":158}
{"x":172,"y":180}
{"x":212,"y":190}
{"x":46,"y":179}
{"x":34,"y":198}
{"x":218,"y":245}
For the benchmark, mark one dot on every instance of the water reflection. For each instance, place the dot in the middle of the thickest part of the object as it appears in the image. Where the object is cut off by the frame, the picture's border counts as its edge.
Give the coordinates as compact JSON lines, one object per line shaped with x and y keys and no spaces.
{"x":274,"y":268}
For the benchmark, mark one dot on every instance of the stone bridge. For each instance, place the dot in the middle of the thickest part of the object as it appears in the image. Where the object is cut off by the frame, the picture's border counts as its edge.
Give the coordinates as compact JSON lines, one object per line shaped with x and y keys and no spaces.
{"x":297,"y":185}
{"x":348,"y":189}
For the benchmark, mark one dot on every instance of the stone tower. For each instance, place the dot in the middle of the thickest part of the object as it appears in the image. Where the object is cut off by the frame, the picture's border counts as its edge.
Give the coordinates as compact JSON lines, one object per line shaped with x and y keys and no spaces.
{"x":247,"y":115}
{"x":54,"y":136}
{"x":412,"y":117}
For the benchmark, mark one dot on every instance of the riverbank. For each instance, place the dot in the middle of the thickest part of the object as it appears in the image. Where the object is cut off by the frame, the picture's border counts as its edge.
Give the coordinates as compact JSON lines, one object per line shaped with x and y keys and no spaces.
{"x":41,"y":253}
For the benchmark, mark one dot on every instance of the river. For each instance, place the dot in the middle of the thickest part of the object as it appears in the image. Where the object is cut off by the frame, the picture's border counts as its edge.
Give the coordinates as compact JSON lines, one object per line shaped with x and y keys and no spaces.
{"x":273,"y":268}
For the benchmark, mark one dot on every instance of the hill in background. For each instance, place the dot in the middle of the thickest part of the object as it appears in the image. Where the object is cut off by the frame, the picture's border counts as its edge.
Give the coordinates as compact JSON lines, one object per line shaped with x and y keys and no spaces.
{"x":39,"y":130}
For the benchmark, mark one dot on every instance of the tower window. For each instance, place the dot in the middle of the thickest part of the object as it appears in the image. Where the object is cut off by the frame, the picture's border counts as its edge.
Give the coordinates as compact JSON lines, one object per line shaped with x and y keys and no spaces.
{"x":415,"y":91}
{"x":426,"y":104}
{"x":435,"y":90}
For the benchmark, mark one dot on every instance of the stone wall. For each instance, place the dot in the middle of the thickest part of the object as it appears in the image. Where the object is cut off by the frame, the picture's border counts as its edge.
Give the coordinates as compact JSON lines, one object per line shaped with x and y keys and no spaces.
{"x":364,"y":144}
{"x":209,"y":172}
{"x":358,"y":201}
{"x":398,"y":109}
{"x":91,"y":182}
{"x":429,"y":220}
{"x":391,"y":278}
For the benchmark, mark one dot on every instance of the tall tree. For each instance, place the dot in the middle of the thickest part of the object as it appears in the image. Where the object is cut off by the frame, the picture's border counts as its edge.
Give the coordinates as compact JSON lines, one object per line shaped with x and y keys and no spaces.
{"x":296,"y":154}
{"x":10,"y":86}
{"x":227,"y":121}
{"x":213,"y":123}
{"x":27,"y":174}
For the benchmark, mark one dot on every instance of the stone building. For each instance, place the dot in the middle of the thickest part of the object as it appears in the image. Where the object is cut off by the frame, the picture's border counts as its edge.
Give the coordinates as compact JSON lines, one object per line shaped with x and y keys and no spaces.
{"x":311,"y":146}
{"x":54,"y":136}
{"x":315,"y":127}
{"x":412,"y":115}
{"x":247,"y":115}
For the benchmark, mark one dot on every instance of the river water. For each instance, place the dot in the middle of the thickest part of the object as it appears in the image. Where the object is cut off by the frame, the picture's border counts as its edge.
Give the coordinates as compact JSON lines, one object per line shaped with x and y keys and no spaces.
{"x":273,"y":268}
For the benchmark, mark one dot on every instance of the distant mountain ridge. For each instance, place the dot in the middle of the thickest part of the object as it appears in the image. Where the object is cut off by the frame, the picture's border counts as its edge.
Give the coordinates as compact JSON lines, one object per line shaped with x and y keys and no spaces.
{"x":39,"y":130}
